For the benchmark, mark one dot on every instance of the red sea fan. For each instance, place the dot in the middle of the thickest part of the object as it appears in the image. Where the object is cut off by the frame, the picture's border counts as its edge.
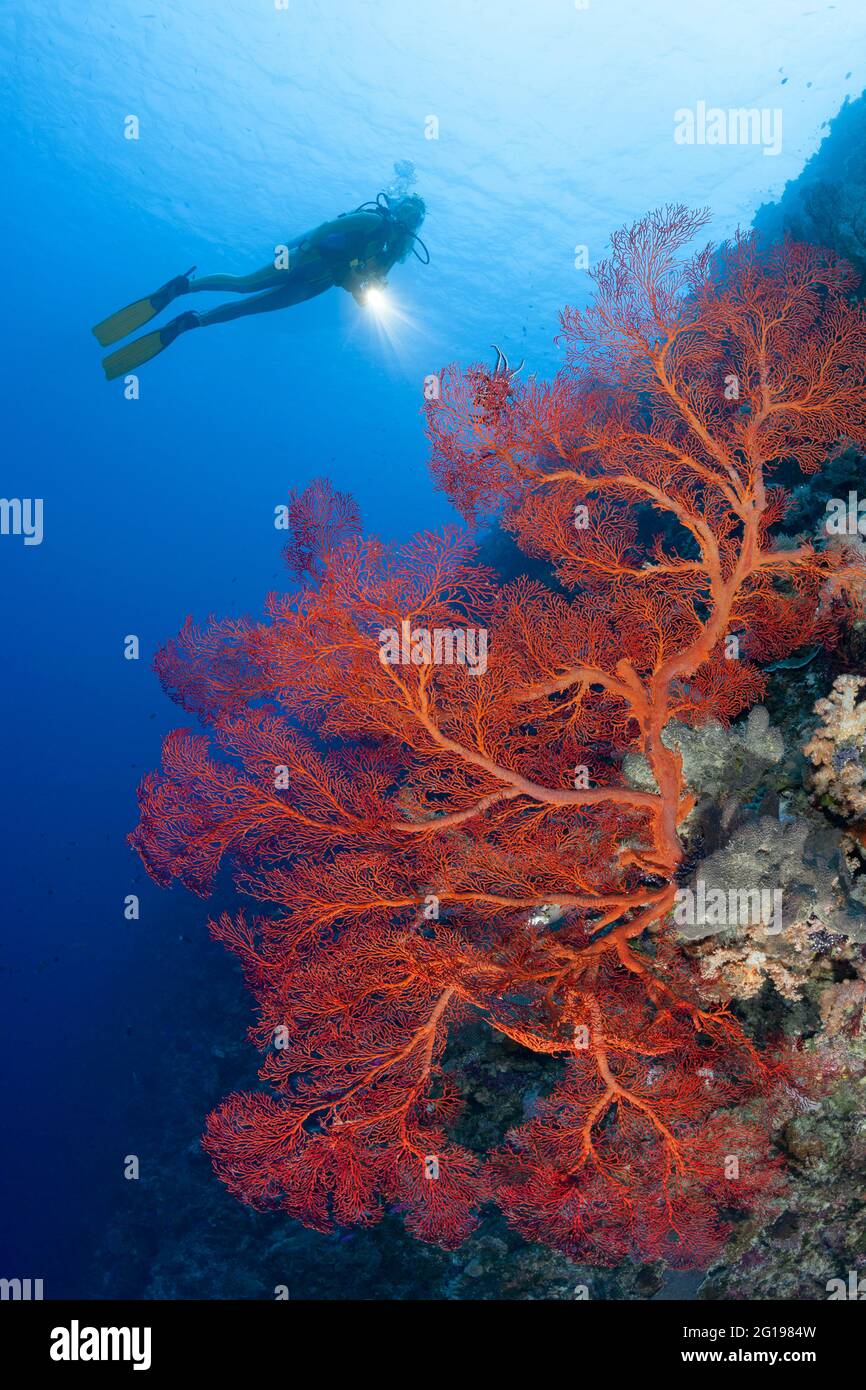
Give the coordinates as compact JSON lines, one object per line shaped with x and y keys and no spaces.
{"x":320,"y":521}
{"x":637,"y":1151}
{"x":416,"y":769}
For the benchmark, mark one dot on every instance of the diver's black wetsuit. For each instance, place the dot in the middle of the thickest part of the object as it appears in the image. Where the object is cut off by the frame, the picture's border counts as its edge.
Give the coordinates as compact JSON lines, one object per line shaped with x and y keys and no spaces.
{"x":352,"y":252}
{"x":348,"y":252}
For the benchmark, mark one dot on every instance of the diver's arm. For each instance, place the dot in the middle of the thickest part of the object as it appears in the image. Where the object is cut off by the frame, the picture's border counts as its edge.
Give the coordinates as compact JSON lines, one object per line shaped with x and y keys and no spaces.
{"x":354,"y":286}
{"x":358,"y":281}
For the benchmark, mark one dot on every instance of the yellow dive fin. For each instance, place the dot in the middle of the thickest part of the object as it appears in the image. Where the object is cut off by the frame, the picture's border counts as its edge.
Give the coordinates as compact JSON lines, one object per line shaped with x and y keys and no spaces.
{"x":125,"y":321}
{"x":141,"y":350}
{"x":126,"y":359}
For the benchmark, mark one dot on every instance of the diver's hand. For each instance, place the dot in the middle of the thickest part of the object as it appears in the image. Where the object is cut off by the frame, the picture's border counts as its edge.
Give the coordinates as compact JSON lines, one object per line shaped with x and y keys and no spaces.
{"x":361,"y":286}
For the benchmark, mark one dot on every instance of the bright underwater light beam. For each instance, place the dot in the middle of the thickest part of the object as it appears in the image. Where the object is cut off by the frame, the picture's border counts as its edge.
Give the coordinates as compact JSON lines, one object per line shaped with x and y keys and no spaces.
{"x":376,"y":299}
{"x":385,"y":313}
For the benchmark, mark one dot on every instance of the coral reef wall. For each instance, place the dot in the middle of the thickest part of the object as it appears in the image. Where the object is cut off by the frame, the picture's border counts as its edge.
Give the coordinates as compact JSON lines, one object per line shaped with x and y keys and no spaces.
{"x":827,"y":203}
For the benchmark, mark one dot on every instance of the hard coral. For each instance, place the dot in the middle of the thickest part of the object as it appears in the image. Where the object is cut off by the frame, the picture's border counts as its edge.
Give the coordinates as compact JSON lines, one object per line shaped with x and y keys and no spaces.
{"x":410,"y":818}
{"x":717,"y":761}
{"x":837,"y":749}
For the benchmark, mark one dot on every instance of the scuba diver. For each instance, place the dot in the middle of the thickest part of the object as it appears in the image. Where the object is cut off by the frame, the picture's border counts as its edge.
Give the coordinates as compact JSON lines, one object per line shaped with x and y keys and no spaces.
{"x":355,"y":251}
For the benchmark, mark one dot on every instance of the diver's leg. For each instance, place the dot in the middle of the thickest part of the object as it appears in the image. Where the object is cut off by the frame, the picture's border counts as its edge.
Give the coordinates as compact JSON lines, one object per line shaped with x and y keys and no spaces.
{"x":268,"y":278}
{"x":282,"y":298}
{"x":135,"y":354}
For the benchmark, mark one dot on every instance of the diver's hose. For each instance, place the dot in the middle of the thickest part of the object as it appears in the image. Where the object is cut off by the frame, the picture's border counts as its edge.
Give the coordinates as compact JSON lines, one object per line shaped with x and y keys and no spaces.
{"x":384,"y":211}
{"x":415,"y":237}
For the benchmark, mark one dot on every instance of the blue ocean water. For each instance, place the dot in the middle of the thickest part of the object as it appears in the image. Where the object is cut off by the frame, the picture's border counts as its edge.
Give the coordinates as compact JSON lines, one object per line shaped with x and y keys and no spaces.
{"x":553,"y":125}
